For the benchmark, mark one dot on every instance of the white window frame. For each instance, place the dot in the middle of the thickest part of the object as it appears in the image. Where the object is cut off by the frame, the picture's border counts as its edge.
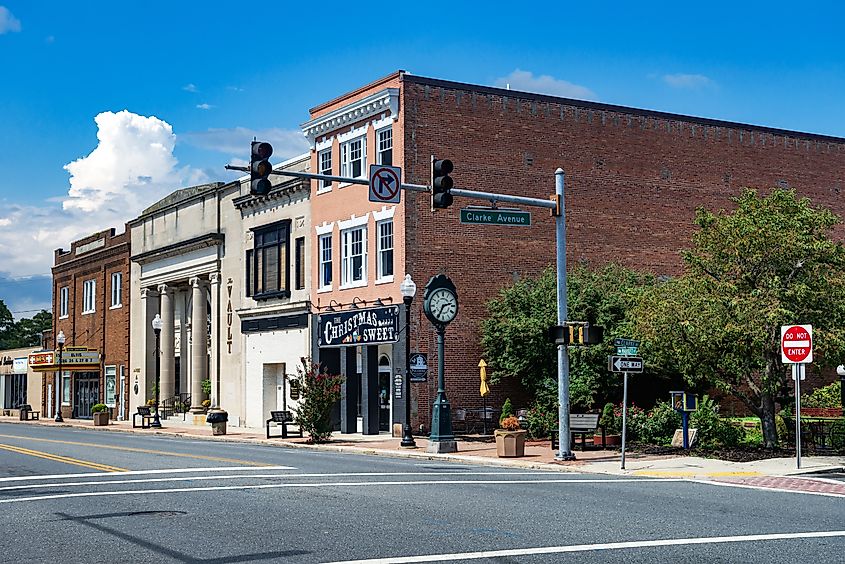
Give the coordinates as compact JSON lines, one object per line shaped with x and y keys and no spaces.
{"x":379,"y":148}
{"x":382,"y":248}
{"x":64,"y":293}
{"x":325,"y":256}
{"x":347,"y":244}
{"x":111,"y":375}
{"x":116,"y":290}
{"x":89,"y":291}
{"x":324,"y":185}
{"x":346,"y":160}
{"x":65,"y":387}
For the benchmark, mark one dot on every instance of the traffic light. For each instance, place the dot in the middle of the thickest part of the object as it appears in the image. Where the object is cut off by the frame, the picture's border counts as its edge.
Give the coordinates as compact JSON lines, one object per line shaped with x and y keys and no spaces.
{"x":260,"y":168}
{"x":576,"y":334}
{"x":441,"y":183}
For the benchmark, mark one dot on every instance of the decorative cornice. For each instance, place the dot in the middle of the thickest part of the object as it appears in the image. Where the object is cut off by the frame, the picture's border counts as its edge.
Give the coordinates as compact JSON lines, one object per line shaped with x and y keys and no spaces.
{"x":285,"y":190}
{"x":201,"y":242}
{"x":386,"y":100}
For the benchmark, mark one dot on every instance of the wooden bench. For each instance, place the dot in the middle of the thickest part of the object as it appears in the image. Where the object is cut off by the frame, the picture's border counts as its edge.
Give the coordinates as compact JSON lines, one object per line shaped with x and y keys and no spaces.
{"x":283,"y":419}
{"x":27,"y":414}
{"x":579,"y":424}
{"x":145,"y":415}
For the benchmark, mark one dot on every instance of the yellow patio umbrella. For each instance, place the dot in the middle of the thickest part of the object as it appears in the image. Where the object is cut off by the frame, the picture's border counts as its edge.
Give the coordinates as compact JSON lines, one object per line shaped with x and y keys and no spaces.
{"x":485,"y":389}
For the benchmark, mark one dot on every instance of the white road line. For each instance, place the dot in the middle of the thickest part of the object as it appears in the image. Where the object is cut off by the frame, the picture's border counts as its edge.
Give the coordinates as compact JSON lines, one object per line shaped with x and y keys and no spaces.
{"x":287,"y":476}
{"x":591,"y":547}
{"x":764,"y":488}
{"x":329,"y":484}
{"x":142,"y":472}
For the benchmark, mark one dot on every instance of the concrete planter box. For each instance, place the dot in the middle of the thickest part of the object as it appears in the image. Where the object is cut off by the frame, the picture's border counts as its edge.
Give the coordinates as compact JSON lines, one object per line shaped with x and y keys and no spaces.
{"x":101,"y":419}
{"x":510,"y":444}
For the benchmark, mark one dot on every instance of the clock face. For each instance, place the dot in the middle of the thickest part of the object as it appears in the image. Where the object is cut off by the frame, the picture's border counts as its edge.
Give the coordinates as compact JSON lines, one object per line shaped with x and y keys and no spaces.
{"x":443,"y":305}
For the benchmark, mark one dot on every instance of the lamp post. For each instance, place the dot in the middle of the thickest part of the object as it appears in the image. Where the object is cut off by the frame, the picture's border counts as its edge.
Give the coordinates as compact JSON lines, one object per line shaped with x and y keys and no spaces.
{"x":841,"y":371}
{"x":60,"y":340}
{"x":157,"y":323}
{"x":408,"y":289}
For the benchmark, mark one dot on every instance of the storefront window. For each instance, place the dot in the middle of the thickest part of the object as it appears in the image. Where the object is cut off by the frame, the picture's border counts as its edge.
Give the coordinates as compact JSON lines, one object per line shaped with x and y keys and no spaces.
{"x":65,"y":387}
{"x":111,"y":387}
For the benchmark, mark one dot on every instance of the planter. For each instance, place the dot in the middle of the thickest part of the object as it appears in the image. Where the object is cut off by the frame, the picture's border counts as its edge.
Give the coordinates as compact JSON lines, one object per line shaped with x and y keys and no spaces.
{"x":101,"y":419}
{"x":609,"y":440}
{"x":510,"y":444}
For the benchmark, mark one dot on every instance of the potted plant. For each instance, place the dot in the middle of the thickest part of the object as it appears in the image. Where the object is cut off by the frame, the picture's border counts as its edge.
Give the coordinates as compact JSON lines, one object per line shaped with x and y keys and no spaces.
{"x":101,"y":414}
{"x":510,"y":439}
{"x":612,"y":426}
{"x":206,"y":404}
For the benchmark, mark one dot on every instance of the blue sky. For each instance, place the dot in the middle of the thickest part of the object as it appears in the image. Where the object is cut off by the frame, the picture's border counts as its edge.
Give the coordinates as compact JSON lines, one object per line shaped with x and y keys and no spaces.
{"x":198,"y":79}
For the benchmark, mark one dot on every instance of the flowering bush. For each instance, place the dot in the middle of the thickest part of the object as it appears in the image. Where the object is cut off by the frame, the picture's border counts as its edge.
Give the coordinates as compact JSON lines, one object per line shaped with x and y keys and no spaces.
{"x":510,"y":423}
{"x":541,"y":420}
{"x":713,"y":431}
{"x":319,"y":392}
{"x":659,"y":424}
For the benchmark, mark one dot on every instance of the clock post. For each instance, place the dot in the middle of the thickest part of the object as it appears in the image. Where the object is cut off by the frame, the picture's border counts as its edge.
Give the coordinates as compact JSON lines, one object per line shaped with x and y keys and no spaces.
{"x":440,"y":304}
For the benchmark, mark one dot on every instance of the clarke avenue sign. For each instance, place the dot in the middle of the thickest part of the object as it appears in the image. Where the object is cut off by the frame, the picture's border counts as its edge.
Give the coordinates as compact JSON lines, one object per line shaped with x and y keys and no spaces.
{"x":488,"y":216}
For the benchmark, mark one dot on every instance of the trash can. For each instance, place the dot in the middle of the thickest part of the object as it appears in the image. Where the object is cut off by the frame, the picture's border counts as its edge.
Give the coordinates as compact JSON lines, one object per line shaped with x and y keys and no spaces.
{"x":24,"y":409}
{"x":218,"y":419}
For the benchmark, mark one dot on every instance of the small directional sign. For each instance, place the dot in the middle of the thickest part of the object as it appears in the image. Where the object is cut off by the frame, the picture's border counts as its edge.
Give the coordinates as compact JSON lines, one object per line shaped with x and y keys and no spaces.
{"x":625,"y":364}
{"x":627,"y":351}
{"x":385,"y":184}
{"x":625,"y":343}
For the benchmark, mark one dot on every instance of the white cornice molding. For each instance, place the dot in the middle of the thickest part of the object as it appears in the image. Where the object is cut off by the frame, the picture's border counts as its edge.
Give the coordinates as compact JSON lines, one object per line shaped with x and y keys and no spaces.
{"x":385,"y":100}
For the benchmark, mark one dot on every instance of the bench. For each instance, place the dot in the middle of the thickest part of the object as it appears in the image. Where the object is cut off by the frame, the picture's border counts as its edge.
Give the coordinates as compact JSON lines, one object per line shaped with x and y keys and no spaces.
{"x":283,"y":419}
{"x":579,"y":424}
{"x":145,"y":415}
{"x":27,"y":414}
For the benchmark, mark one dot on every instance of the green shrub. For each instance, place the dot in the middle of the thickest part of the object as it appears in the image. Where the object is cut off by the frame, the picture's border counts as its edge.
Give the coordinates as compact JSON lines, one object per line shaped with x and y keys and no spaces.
{"x":713,"y":431}
{"x":608,"y":420}
{"x":319,"y":393}
{"x":658,"y":426}
{"x":782,"y":429}
{"x":206,"y":386}
{"x":837,"y":435}
{"x":99,"y":407}
{"x":828,"y":396}
{"x":507,"y":410}
{"x":752,"y":436}
{"x":541,"y":420}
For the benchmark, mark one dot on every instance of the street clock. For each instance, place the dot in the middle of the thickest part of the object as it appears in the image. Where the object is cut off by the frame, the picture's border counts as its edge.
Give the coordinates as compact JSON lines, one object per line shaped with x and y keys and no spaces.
{"x":440,"y":301}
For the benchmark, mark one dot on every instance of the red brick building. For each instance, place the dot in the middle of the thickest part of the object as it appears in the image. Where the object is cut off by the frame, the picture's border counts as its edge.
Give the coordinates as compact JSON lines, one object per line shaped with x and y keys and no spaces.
{"x":633,"y":181}
{"x":91,"y":308}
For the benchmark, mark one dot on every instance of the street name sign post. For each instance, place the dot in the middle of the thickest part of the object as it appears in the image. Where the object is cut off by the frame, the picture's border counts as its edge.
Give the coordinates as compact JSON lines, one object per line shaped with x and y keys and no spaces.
{"x":796,"y":348}
{"x":625,"y":364}
{"x":490,"y":216}
{"x":626,"y":347}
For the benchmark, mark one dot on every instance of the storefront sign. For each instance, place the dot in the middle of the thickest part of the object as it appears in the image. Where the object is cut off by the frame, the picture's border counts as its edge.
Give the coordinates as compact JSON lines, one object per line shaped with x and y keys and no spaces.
{"x":19,"y":366}
{"x":76,"y":359}
{"x":419,"y":367}
{"x":359,"y":327}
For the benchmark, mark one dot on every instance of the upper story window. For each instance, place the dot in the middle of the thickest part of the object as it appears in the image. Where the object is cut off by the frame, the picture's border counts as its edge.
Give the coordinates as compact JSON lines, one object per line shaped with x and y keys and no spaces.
{"x":353,"y":159}
{"x":299,"y":263}
{"x":384,"y":145}
{"x":63,"y":297}
{"x":325,"y":164}
{"x":325,"y":251}
{"x":268,"y":272}
{"x":353,"y":257}
{"x":116,"y":290}
{"x":385,"y":249}
{"x":89,"y":290}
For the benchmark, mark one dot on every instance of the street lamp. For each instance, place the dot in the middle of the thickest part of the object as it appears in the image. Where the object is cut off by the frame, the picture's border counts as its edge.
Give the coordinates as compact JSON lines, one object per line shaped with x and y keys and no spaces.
{"x":60,"y":340}
{"x":408,"y":289}
{"x":157,"y":323}
{"x":841,"y":371}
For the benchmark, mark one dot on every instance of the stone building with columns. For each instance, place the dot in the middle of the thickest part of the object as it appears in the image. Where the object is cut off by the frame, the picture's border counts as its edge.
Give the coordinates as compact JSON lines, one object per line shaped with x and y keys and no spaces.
{"x":226,"y":271}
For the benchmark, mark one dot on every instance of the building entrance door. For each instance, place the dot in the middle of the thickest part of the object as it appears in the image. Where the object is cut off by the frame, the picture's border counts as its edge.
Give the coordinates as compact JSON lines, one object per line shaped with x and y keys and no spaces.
{"x":384,"y":397}
{"x":86,"y":393}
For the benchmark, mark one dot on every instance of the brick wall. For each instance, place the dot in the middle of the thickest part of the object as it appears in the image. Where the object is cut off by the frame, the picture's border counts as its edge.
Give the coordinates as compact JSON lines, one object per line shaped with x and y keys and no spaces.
{"x":633,"y":181}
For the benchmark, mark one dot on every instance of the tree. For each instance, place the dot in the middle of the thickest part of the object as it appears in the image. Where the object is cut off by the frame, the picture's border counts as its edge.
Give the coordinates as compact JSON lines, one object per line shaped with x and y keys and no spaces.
{"x":768,"y":263}
{"x":23,"y":333}
{"x":514,"y":336}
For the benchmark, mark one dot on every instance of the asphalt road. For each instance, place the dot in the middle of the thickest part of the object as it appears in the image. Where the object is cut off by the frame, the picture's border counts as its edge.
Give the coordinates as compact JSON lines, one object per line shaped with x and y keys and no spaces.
{"x":73,"y":495}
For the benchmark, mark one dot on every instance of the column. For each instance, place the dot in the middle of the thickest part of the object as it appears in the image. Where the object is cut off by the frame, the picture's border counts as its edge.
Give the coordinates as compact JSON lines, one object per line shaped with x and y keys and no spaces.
{"x":214,"y":280}
{"x":168,"y":343}
{"x":199,"y":336}
{"x":149,"y":307}
{"x":184,"y":342}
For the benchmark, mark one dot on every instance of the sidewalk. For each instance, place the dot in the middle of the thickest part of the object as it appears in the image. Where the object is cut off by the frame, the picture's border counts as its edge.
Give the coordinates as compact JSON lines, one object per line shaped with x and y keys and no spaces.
{"x":482,"y":450}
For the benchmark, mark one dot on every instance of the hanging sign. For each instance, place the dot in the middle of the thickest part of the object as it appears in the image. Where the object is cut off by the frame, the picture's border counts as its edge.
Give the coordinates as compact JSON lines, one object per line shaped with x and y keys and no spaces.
{"x":372,"y":326}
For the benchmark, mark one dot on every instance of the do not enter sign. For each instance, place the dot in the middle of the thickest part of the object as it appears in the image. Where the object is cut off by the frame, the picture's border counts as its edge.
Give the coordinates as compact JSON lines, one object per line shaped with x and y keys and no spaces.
{"x":796,"y":344}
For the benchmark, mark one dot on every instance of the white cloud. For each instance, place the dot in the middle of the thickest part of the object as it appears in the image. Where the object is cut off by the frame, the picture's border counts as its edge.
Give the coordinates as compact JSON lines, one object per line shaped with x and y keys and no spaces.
{"x":235,"y":88}
{"x":131,"y":167}
{"x":286,"y":143}
{"x":8,"y":22}
{"x":544,"y":84}
{"x":692,"y":81}
{"x":190,"y":87}
{"x":204,"y":106}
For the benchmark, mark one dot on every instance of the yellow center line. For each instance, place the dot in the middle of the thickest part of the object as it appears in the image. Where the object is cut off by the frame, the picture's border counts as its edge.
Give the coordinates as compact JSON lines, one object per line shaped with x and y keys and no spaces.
{"x":143,"y":451}
{"x":64,"y":459}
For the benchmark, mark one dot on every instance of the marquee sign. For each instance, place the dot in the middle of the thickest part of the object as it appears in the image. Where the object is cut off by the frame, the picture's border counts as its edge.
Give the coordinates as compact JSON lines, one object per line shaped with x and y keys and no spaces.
{"x":372,"y":326}
{"x":75,"y":359}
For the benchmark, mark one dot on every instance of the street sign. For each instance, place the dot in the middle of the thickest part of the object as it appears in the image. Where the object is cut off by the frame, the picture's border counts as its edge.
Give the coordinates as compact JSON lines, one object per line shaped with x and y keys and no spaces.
{"x":385,"y":184}
{"x":419,"y":367}
{"x":489,"y":216}
{"x":625,"y":343}
{"x":624,"y":364}
{"x":796,"y":344}
{"x":627,"y":351}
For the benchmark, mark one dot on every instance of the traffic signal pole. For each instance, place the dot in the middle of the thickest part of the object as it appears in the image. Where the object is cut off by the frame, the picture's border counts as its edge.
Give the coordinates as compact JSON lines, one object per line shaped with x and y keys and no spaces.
{"x":556,"y":204}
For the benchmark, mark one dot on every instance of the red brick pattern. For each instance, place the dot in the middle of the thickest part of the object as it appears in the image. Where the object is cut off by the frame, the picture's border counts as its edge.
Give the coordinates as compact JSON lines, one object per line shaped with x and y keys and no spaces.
{"x":790,"y":483}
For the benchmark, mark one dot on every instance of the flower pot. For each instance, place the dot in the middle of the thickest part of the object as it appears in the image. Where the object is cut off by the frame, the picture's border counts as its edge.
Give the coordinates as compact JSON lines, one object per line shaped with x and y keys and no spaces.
{"x":510,"y":443}
{"x":609,"y":440}
{"x":101,"y":419}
